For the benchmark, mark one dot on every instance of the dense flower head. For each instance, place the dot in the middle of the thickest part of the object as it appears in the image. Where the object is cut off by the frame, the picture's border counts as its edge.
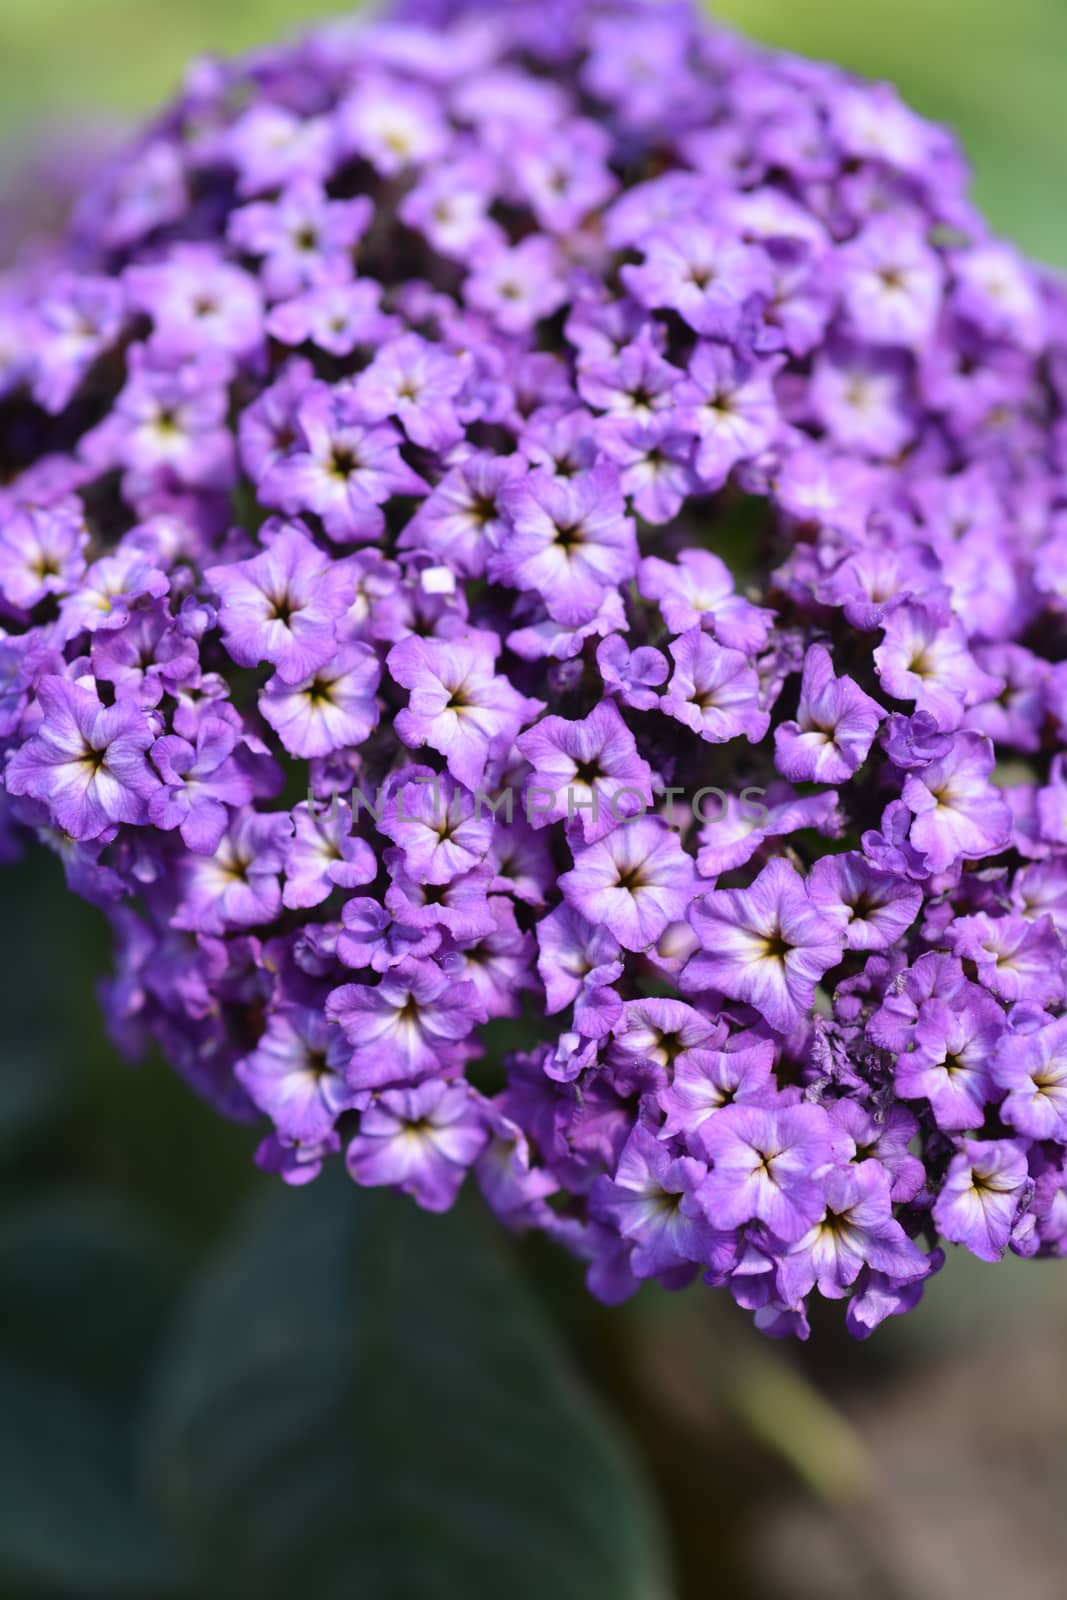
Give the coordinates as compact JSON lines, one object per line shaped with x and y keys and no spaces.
{"x":550,"y":524}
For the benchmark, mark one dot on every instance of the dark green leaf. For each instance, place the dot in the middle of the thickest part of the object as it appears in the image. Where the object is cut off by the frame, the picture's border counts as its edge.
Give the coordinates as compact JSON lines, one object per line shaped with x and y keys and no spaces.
{"x":364,"y":1401}
{"x":85,"y":1292}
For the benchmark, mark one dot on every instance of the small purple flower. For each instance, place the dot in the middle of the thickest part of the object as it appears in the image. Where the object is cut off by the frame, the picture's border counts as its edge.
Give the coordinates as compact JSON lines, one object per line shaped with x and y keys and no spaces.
{"x":345,"y":467}
{"x":77,"y":322}
{"x":412,"y":1024}
{"x":948,"y":1059}
{"x":87,"y":761}
{"x":239,"y":886}
{"x":458,"y":705}
{"x":707,"y":277}
{"x":461,"y":521}
{"x":880,"y":906}
{"x":735,"y":828}
{"x":197,"y":301}
{"x":304,"y":238}
{"x":636,"y":881}
{"x":767,"y":1165}
{"x":768,"y":944}
{"x":652,"y":1200}
{"x":440,"y":830}
{"x":324,"y":854}
{"x":200,"y":782}
{"x":334,"y":708}
{"x":570,"y":952}
{"x":834,"y":727}
{"x":417,"y":383}
{"x":985,"y":1188}
{"x":714,"y":691}
{"x":728,"y":402}
{"x":569,"y":541}
{"x":42,"y":552}
{"x":587,"y":772}
{"x":1032,"y":1067}
{"x":336,"y":317}
{"x":698,"y":592}
{"x":422,"y":1140}
{"x":633,"y":675}
{"x":296,"y":1074}
{"x":924,"y":657}
{"x":704,"y":1080}
{"x":655,"y":459}
{"x":891,"y":284}
{"x":958,"y":813}
{"x":858,"y":1230}
{"x":516,"y":287}
{"x":283,"y":606}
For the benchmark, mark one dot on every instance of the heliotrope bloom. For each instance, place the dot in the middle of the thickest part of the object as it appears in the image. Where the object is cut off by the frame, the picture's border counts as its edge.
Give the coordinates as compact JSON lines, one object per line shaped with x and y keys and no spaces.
{"x":561,"y":528}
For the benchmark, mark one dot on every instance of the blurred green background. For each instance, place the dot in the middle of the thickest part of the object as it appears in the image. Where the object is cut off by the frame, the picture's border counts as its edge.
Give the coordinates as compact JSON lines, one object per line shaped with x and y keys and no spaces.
{"x":210,"y":1387}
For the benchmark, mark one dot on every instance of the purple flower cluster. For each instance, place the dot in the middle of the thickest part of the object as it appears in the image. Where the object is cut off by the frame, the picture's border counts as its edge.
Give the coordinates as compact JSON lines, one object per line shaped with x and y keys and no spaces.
{"x":441,"y":450}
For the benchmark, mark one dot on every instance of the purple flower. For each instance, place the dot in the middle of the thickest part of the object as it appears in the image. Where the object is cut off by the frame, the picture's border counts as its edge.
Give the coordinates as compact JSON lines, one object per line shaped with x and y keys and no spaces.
{"x":458,"y":705}
{"x":858,"y":1230}
{"x":571,"y":952}
{"x":296,"y":1074}
{"x":422,"y":1140}
{"x":957,"y":810}
{"x":303,"y":238}
{"x":239,"y":885}
{"x":636,"y":881}
{"x":76,"y":322}
{"x":336,"y":317}
{"x":891,"y":284}
{"x":924,"y":658}
{"x":417,"y":384}
{"x":390,"y":124}
{"x":652,"y":1199}
{"x":727,"y":401}
{"x":698,"y":592}
{"x":948,"y":1059}
{"x":517,"y":286}
{"x":655,"y":458}
{"x":332,"y":709}
{"x":707,"y":277}
{"x":985,"y":1188}
{"x":282,"y":606}
{"x":461,"y":520}
{"x":704,"y":1080}
{"x":768,"y":945}
{"x":735,"y":828}
{"x":42,"y":552}
{"x":411,"y":1024}
{"x":200,"y":782}
{"x":345,"y":467}
{"x":1016,"y":959}
{"x":569,"y":541}
{"x":766,"y":1164}
{"x":587,"y":772}
{"x":834,"y":727}
{"x":197,"y":301}
{"x":633,"y":675}
{"x":1032,"y":1067}
{"x":86,"y":761}
{"x":714,"y":691}
{"x":441,"y":832}
{"x":880,"y":906}
{"x":645,"y":415}
{"x":323,"y":855}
